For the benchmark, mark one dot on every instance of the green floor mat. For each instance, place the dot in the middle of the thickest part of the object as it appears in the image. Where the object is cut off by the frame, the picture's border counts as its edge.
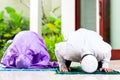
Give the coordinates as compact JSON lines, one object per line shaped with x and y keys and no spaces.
{"x":78,"y":70}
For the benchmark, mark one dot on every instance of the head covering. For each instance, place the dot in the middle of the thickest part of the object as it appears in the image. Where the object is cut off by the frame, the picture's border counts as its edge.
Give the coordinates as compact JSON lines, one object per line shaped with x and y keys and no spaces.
{"x":89,"y":63}
{"x":27,"y":50}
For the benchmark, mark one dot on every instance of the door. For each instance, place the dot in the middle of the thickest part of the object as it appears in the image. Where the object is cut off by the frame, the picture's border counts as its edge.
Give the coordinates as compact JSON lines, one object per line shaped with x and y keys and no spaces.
{"x":105,"y":27}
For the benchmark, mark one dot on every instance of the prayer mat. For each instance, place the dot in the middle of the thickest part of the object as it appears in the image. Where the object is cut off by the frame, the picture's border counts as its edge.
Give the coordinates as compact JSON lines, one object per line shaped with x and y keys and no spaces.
{"x":78,"y":70}
{"x":14,"y":69}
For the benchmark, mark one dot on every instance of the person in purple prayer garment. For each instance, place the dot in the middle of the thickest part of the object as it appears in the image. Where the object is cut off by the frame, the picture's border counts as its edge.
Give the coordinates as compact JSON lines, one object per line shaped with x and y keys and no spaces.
{"x":27,"y":50}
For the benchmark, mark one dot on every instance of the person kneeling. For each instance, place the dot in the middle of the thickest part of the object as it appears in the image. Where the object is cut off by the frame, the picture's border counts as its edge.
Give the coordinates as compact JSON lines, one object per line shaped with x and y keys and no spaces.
{"x":84,"y":46}
{"x":27,"y":50}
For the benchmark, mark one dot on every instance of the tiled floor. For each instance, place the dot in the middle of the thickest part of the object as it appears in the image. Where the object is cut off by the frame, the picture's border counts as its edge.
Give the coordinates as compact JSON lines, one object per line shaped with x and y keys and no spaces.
{"x":48,"y":75}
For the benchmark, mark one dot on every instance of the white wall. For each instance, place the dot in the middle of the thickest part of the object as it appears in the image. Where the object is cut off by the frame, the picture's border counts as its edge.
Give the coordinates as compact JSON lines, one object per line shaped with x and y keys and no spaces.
{"x":16,"y":4}
{"x":46,"y":6}
{"x":50,"y":5}
{"x":57,"y":3}
{"x":67,"y":12}
{"x":115,"y":24}
{"x":35,"y":16}
{"x":68,"y":16}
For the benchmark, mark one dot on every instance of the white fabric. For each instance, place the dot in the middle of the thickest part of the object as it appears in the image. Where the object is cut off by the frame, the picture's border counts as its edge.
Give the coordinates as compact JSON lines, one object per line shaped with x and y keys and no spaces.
{"x":86,"y":64}
{"x":83,"y":42}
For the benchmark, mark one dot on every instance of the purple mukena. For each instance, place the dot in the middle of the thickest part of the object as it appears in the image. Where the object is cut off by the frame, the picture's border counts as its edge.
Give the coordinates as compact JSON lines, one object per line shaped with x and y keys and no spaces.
{"x":27,"y":50}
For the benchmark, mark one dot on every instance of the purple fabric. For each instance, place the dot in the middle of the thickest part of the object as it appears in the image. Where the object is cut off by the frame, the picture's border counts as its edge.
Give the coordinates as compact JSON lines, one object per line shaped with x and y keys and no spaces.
{"x":27,"y":51}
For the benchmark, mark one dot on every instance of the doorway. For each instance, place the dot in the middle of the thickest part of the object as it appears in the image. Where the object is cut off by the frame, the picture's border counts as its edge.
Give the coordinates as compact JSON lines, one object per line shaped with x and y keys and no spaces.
{"x":105,"y":22}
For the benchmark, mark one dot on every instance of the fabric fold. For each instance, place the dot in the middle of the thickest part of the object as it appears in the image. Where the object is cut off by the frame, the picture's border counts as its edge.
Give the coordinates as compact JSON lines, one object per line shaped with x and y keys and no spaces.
{"x":27,"y":50}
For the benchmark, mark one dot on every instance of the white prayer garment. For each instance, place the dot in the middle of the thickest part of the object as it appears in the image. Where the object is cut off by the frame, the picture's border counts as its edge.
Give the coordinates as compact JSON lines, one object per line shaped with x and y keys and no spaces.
{"x":83,"y":42}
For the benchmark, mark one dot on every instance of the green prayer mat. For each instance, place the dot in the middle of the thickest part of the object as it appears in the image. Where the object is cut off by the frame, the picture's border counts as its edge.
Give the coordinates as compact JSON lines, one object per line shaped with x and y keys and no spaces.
{"x":78,"y":70}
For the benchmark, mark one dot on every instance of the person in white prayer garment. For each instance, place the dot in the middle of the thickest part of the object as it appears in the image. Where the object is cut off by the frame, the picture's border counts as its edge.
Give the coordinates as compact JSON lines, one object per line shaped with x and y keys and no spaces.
{"x":80,"y":44}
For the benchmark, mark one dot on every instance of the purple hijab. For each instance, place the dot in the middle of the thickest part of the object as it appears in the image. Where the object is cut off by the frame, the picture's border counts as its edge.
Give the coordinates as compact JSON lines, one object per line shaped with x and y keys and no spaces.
{"x":27,"y":50}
